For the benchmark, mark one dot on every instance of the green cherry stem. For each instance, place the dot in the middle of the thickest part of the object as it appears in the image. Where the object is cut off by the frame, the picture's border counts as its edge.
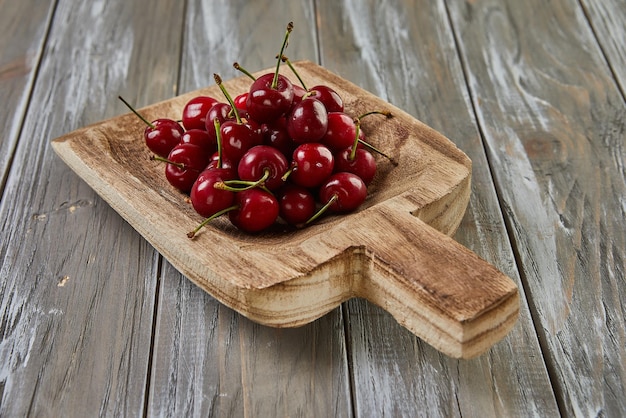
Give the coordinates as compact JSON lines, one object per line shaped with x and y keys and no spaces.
{"x":218,"y":81}
{"x":322,"y":210}
{"x":231,"y":185}
{"x":352,"y":156}
{"x":165,"y":160}
{"x":243,"y":70}
{"x":280,"y":54}
{"x":386,"y":113}
{"x":286,"y":61}
{"x":218,"y":135}
{"x":150,"y":124}
{"x":193,"y":233}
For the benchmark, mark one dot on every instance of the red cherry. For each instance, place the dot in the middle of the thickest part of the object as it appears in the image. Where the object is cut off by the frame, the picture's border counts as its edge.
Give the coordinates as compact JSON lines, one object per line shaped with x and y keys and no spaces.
{"x":237,"y":139}
{"x":184,"y":164}
{"x":341,"y":131}
{"x":363,"y":164}
{"x":346,"y":191}
{"x":329,"y":97}
{"x":297,"y":204}
{"x":240,"y":102}
{"x":307,"y":121}
{"x":195,"y":111}
{"x":256,"y":210}
{"x":275,"y":134}
{"x":160,"y":135}
{"x":206,"y":199}
{"x":312,"y":163}
{"x":200,"y":138}
{"x":263,"y":162}
{"x":267,"y":103}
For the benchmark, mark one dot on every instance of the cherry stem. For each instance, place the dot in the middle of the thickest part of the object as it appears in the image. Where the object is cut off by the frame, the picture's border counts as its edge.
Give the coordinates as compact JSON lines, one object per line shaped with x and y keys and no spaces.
{"x":150,"y":124}
{"x":386,"y":113}
{"x":230,"y":185}
{"x":218,"y":81}
{"x":377,"y":151}
{"x":286,"y":60}
{"x":218,"y":135}
{"x":280,"y":54}
{"x":355,"y":144}
{"x":323,"y":209}
{"x":193,"y":233}
{"x":243,"y":70}
{"x":288,"y":172}
{"x":165,"y":160}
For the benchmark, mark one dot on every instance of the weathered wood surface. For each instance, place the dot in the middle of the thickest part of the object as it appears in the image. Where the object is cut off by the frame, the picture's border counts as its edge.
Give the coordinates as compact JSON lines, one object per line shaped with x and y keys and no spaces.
{"x":94,"y":322}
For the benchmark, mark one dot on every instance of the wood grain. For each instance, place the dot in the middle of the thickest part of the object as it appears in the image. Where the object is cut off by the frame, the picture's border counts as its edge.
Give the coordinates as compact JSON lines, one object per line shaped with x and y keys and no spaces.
{"x":395,"y":373}
{"x":553,"y":118}
{"x":432,"y":174}
{"x":78,"y":284}
{"x":28,"y":23}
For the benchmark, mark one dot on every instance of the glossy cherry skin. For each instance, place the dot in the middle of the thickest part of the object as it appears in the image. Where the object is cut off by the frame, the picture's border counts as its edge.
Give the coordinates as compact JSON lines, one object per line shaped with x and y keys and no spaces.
{"x":163,"y":136}
{"x":363,"y":164}
{"x":200,"y":138}
{"x":329,"y":97}
{"x":312,"y":163}
{"x":341,"y":131}
{"x":260,"y":158}
{"x":227,"y":169}
{"x":257,"y":210}
{"x":237,"y":139}
{"x":195,"y":111}
{"x":206,"y":199}
{"x":240,"y":102}
{"x":193,"y":160}
{"x":307,"y":121}
{"x":350,"y":190}
{"x":297,"y":204}
{"x":298,"y":94}
{"x":275,"y":135}
{"x":265,"y":103}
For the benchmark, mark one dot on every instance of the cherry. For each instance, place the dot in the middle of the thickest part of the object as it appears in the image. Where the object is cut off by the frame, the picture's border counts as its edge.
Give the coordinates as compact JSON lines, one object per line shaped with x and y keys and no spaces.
{"x":346,"y":191}
{"x":341,"y":131}
{"x":256,"y":210}
{"x":263,"y":162}
{"x":201,"y":138}
{"x":184,"y":164}
{"x":271,"y":95}
{"x":341,"y":193}
{"x":329,"y":98}
{"x":237,"y":137}
{"x":240,"y":102}
{"x":206,"y":199}
{"x":311,"y":164}
{"x":362,"y":163}
{"x":307,"y":121}
{"x":220,"y":111}
{"x":160,"y":135}
{"x":297,"y":204}
{"x":195,"y":112}
{"x":275,"y":134}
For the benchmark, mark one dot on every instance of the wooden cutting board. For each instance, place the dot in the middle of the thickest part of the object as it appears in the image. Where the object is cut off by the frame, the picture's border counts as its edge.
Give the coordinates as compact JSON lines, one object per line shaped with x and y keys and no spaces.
{"x":395,"y":251}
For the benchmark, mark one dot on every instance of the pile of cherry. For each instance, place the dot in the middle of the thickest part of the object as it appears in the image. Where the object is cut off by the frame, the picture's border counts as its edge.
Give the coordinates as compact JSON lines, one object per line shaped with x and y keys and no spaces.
{"x":276,"y":153}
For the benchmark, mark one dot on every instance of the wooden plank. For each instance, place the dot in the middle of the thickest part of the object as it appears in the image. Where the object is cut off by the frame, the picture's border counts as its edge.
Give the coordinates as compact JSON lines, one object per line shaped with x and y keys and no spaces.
{"x":553,"y":117}
{"x":27,"y":22}
{"x":607,"y":19}
{"x":209,"y":360}
{"x":409,"y":58}
{"x":78,"y":288}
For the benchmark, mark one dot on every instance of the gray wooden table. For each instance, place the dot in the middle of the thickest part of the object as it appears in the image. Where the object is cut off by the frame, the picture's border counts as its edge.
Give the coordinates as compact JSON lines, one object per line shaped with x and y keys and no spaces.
{"x":94,"y":322}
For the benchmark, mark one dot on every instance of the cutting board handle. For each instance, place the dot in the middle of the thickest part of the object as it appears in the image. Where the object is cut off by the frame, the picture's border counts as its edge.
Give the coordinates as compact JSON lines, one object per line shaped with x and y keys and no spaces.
{"x":432,"y":285}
